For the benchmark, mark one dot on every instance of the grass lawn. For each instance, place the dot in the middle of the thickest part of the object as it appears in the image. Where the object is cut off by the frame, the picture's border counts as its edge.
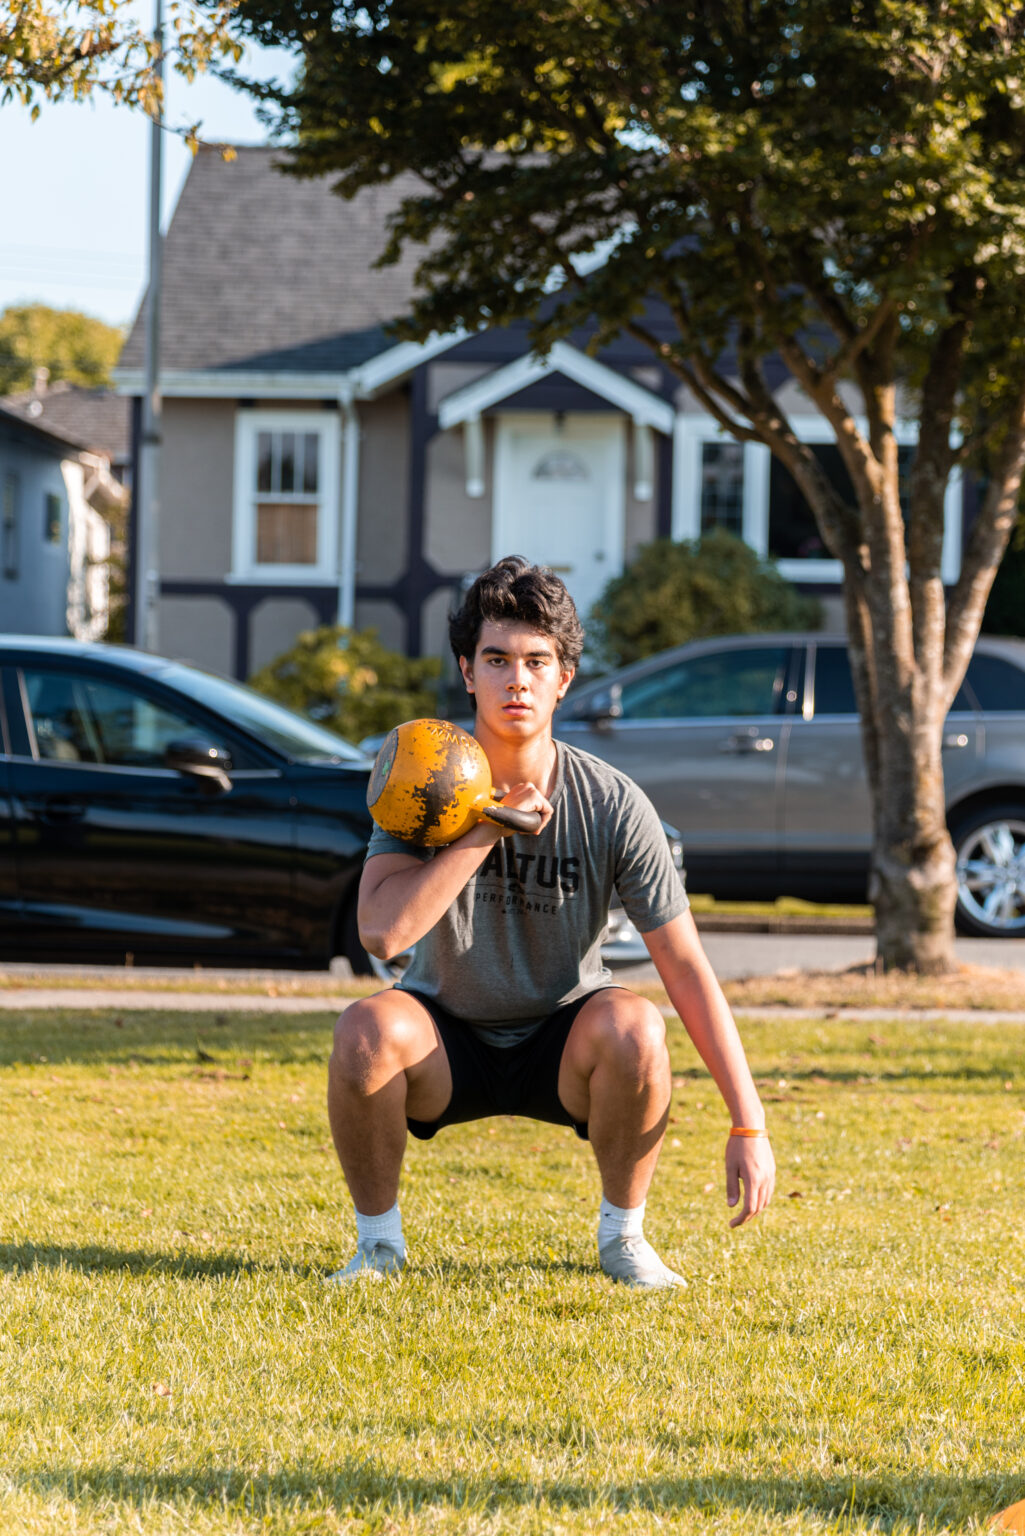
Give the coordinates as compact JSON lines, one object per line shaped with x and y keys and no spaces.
{"x":169,"y":1361}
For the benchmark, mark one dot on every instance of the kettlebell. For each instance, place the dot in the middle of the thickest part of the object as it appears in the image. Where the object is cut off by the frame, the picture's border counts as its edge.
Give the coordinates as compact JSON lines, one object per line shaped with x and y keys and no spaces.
{"x":431,"y":782}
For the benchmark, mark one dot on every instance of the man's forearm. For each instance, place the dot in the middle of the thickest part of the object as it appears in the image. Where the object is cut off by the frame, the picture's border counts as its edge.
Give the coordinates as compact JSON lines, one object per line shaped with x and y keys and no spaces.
{"x":402,"y":907}
{"x":698,"y":999}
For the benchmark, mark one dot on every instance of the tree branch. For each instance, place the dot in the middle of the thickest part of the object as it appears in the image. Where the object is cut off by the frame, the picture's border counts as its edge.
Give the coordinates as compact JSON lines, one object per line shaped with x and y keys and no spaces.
{"x":986,"y":544}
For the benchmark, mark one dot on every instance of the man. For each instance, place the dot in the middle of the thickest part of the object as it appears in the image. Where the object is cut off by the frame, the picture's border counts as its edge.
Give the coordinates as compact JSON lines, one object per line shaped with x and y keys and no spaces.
{"x":506,"y":1007}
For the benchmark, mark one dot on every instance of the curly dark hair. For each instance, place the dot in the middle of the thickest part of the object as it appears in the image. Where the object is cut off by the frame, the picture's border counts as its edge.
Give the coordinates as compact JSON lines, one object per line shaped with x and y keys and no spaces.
{"x":529,"y":594}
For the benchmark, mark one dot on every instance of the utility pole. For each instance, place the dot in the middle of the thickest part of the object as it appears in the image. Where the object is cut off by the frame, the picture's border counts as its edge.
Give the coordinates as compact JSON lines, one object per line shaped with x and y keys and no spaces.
{"x":147,"y":561}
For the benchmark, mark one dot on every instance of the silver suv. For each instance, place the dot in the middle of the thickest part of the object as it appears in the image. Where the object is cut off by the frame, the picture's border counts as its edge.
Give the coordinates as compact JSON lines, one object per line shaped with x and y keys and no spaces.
{"x":751,"y":745}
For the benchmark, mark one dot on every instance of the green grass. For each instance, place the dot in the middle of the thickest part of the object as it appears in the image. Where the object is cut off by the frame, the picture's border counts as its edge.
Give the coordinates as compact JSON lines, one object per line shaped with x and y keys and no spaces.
{"x":169,"y":1360}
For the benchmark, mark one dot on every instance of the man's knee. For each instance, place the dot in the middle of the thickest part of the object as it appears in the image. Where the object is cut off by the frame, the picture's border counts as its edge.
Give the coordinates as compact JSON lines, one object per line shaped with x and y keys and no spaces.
{"x":372,"y":1036}
{"x":630,"y":1037}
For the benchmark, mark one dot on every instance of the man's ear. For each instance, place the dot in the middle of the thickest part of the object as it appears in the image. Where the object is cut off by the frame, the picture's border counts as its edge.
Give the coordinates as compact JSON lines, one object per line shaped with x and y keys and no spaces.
{"x":568,"y":674}
{"x":466,"y":668}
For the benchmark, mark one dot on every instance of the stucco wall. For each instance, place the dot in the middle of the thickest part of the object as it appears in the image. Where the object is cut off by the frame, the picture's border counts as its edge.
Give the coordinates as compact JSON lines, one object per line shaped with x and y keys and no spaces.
{"x":458,"y":527}
{"x":382,"y":544}
{"x":199,"y":630}
{"x":386,"y":619}
{"x":196,"y":479}
{"x":274,"y":627}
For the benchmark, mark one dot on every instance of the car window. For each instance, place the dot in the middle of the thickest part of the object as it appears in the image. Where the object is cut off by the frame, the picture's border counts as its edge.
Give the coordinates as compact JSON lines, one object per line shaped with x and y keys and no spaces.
{"x":834,"y":686}
{"x":997,"y":684}
{"x":734,"y":682}
{"x":271,"y":723}
{"x":83,"y":719}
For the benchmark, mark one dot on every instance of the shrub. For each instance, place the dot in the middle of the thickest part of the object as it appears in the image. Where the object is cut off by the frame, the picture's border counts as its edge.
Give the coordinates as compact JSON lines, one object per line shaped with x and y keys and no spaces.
{"x":348,"y":681}
{"x":715,"y":585}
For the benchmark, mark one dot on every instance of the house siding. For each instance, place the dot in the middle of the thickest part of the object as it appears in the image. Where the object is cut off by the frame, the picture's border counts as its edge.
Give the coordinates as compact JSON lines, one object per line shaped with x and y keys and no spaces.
{"x":196,"y":483}
{"x":382,"y":544}
{"x":458,"y":527}
{"x":34,"y":601}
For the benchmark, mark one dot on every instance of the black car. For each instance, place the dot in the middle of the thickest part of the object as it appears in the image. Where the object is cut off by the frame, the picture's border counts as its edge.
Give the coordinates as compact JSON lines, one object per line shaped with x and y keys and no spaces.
{"x":151,"y":810}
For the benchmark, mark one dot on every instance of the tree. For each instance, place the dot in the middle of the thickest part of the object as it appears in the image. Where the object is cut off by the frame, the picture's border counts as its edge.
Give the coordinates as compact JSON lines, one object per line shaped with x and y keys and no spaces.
{"x":670,"y":593}
{"x":52,"y":51}
{"x":67,"y":344}
{"x":841,"y":187}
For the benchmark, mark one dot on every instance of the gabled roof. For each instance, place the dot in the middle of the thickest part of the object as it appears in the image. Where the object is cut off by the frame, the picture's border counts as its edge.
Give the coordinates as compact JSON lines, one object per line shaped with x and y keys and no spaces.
{"x":95,"y":419}
{"x":647,"y":409}
{"x":19,"y":429}
{"x":265,"y":273}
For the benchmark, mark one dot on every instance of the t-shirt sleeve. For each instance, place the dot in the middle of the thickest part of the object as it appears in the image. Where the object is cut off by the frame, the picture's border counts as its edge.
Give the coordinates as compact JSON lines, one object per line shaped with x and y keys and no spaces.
{"x":383,"y":842}
{"x":649,"y":884}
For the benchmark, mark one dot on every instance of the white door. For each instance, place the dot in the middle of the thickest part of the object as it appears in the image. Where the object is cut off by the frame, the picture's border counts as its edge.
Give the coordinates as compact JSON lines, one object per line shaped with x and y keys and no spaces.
{"x":559,"y":497}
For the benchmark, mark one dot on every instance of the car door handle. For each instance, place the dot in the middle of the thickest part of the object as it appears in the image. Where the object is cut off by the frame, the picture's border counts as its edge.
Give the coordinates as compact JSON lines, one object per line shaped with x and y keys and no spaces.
{"x":955,"y":739}
{"x":55,"y":813}
{"x":737,"y":744}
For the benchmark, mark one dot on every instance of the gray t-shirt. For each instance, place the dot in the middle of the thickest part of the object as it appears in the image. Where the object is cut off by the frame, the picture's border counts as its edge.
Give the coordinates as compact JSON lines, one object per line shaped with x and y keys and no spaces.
{"x":524,"y":934}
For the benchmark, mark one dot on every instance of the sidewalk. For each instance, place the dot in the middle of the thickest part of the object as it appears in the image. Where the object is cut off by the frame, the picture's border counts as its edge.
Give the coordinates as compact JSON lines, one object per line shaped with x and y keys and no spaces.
{"x":734,"y":957}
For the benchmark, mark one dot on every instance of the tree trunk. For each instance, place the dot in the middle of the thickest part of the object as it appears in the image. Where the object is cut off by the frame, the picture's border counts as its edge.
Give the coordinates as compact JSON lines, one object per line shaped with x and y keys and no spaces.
{"x":912,"y":883}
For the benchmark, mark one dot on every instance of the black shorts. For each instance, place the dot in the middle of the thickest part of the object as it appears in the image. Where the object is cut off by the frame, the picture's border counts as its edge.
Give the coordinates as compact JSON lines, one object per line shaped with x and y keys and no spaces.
{"x":501,"y":1079}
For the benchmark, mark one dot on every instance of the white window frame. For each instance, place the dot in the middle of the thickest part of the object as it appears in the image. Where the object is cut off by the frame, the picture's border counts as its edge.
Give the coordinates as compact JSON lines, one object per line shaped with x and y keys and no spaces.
{"x":693,"y":430}
{"x":244,"y":565}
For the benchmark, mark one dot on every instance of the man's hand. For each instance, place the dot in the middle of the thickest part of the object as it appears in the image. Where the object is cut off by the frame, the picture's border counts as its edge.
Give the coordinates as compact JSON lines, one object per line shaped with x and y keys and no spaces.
{"x":749,"y":1161}
{"x":527,"y":797}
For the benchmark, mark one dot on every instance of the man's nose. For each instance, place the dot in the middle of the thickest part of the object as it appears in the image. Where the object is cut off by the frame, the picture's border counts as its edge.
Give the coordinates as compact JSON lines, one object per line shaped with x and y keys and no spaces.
{"x":518,"y":679}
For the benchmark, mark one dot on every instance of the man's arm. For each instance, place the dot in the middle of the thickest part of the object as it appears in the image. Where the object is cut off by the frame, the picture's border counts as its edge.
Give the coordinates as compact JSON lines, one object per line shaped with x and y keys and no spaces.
{"x":696,"y":995}
{"x":402,"y":897}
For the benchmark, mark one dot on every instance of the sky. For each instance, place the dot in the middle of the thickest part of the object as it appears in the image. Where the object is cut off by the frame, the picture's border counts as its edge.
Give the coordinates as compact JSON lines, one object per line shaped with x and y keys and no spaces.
{"x":74,"y":191}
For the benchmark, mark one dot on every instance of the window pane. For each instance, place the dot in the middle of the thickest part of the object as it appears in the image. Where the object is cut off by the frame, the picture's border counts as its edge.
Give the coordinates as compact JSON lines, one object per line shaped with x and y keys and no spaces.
{"x":745,"y":682}
{"x":287,"y":440}
{"x":51,"y":518}
{"x":286,"y":533}
{"x":722,"y":487}
{"x":64,"y":729}
{"x":311,"y":449}
{"x":9,"y":514}
{"x":264,"y":462}
{"x":997,"y":684}
{"x":793,"y":533}
{"x":132,"y":730}
{"x":834,"y":686}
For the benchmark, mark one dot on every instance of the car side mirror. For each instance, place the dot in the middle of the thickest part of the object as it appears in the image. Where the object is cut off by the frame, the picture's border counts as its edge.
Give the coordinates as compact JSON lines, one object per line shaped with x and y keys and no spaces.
{"x":201,"y":760}
{"x":602,"y":709}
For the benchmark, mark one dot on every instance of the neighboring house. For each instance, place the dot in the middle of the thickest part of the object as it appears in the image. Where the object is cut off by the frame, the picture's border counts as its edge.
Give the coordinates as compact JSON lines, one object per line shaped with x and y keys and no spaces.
{"x":313,"y":469}
{"x":54,"y":535}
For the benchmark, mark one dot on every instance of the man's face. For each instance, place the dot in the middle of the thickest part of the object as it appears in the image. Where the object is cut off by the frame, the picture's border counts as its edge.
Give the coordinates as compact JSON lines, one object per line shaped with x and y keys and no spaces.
{"x":517,"y":679}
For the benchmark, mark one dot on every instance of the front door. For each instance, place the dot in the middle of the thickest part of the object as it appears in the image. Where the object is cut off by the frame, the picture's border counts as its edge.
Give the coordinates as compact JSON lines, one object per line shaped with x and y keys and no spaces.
{"x":559,"y":497}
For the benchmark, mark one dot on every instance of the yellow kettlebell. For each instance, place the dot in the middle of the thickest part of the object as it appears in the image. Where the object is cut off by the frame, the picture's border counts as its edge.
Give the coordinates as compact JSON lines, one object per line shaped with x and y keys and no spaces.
{"x":431,"y":782}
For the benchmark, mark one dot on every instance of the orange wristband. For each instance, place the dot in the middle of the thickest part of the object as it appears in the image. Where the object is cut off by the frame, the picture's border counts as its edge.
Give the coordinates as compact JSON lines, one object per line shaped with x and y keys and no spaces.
{"x":747,"y":1130}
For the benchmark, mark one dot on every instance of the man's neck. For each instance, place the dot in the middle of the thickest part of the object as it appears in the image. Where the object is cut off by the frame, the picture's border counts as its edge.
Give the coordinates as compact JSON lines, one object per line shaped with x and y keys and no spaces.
{"x":519,"y":762}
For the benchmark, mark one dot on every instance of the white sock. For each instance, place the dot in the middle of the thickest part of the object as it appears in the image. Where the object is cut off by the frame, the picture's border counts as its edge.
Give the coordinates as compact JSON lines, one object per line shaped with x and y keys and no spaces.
{"x":371,"y":1229}
{"x":619,"y":1221}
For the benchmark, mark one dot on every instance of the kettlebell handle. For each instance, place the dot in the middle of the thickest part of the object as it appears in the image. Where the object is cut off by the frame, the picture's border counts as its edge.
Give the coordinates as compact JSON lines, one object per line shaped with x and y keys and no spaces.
{"x":516,"y":821}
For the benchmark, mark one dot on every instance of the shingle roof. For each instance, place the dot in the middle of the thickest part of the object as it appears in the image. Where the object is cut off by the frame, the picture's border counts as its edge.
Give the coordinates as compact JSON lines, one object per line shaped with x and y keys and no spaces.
{"x":264,"y":271}
{"x":95,"y":419}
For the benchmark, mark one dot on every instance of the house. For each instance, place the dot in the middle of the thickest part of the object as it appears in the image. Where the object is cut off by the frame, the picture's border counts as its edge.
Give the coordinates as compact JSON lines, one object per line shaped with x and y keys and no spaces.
{"x":314,"y":469}
{"x":55,"y":499}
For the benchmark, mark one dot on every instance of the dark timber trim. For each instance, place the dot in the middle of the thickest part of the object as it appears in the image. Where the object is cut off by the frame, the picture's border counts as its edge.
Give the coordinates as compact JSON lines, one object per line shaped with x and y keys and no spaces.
{"x":242,"y":602}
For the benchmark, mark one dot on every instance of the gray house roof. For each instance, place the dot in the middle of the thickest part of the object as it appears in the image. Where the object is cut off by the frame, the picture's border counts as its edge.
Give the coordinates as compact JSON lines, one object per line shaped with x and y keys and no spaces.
{"x":95,"y":419}
{"x":266,"y":272}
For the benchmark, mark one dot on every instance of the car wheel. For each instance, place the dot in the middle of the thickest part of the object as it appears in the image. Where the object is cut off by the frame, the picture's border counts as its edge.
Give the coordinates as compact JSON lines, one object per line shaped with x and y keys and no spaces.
{"x":990,"y":850}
